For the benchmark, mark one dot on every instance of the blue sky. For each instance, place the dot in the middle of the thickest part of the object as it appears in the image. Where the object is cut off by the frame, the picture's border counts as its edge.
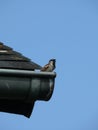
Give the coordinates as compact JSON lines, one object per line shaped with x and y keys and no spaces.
{"x":68,"y":31}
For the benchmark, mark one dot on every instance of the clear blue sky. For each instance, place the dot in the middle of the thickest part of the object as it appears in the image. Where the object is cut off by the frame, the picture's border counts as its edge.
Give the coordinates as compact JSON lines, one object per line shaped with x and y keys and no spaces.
{"x":68,"y":31}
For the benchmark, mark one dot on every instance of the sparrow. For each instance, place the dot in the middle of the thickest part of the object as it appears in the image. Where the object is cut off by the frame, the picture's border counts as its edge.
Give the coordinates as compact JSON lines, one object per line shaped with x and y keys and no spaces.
{"x":50,"y":66}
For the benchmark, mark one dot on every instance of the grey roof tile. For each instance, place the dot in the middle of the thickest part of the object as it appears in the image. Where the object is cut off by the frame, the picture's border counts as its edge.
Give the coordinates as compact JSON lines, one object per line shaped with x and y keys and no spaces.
{"x":15,"y":60}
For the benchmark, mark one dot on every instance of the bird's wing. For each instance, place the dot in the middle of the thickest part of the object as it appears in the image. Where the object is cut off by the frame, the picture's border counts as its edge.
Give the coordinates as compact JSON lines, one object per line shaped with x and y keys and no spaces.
{"x":45,"y":67}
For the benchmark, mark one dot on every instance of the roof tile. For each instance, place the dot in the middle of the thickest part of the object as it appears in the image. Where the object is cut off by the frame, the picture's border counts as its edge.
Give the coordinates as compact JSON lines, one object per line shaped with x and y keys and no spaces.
{"x":15,"y":60}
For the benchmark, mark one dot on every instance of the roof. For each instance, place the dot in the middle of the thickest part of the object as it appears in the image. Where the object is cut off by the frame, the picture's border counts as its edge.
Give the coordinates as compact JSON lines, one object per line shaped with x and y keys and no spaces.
{"x":11,"y":59}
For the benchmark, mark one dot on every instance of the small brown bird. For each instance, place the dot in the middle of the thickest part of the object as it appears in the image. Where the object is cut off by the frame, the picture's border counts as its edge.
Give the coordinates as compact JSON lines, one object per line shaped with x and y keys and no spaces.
{"x":50,"y":66}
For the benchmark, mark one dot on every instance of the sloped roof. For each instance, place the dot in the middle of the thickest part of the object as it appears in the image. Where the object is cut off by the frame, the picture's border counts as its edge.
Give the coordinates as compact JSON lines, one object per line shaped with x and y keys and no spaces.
{"x":11,"y":59}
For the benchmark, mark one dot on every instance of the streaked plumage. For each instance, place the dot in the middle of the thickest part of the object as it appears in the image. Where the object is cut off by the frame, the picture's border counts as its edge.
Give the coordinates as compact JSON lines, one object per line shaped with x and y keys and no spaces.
{"x":50,"y":66}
